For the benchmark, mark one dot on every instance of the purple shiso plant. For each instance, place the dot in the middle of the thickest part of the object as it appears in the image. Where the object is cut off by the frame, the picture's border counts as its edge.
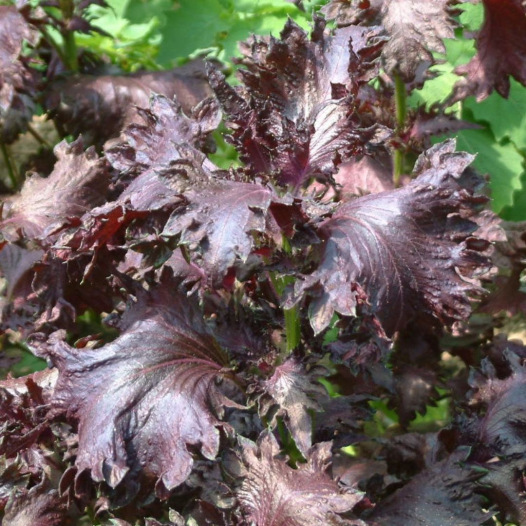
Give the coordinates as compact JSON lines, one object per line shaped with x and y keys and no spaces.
{"x":256,"y":325}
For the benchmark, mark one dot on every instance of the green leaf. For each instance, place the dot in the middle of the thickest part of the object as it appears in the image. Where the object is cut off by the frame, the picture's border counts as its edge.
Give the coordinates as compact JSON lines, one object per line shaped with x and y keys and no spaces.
{"x":472,"y":16}
{"x":191,"y":26}
{"x":501,"y":161}
{"x":137,"y":11}
{"x":132,"y":45}
{"x":438,"y":89}
{"x":517,"y":212}
{"x":506,"y":117}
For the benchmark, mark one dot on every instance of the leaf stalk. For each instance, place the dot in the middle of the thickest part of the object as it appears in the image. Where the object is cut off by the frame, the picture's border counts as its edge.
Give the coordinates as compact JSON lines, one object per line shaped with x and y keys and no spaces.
{"x":401,"y":114}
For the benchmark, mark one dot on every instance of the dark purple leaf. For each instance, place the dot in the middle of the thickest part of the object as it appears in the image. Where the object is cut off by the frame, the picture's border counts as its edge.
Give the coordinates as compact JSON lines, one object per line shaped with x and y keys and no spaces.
{"x":443,"y":495}
{"x":166,"y":142}
{"x":274,"y":494}
{"x":294,"y":117}
{"x":15,"y":264}
{"x":219,"y":222}
{"x":347,"y":12}
{"x":79,"y":182}
{"x":501,"y":45}
{"x":100,"y":107}
{"x":503,"y":428}
{"x":509,"y":256}
{"x":416,"y":369}
{"x":342,"y":419}
{"x":40,"y":505}
{"x":415,"y":29}
{"x":411,"y":250}
{"x":295,"y":392}
{"x":35,"y":300}
{"x":368,"y":175}
{"x":143,"y":402}
{"x":23,"y":404}
{"x":152,"y":143}
{"x":17,"y":79}
{"x":429,"y":124}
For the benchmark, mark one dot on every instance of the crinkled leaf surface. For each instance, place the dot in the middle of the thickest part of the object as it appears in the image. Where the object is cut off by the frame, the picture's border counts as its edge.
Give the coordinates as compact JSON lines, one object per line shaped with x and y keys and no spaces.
{"x":294,"y":117}
{"x":40,"y":505}
{"x":404,"y":248}
{"x":501,"y":45}
{"x":152,"y":142}
{"x":295,"y":392}
{"x":143,"y":401}
{"x":17,"y":80}
{"x":219,"y":222}
{"x":79,"y":182}
{"x":502,"y":427}
{"x":415,"y":29}
{"x":36,"y":298}
{"x":346,"y":12}
{"x":443,"y":495}
{"x":100,"y":107}
{"x":274,"y":494}
{"x":165,"y":141}
{"x":22,"y":410}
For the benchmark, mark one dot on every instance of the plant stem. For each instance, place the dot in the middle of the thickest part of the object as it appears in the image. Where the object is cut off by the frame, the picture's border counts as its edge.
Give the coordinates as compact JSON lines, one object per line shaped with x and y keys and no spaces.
{"x":401,"y":113}
{"x":38,"y":137}
{"x":10,"y":167}
{"x":70,"y":47}
{"x":53,"y":43}
{"x":292,"y":319}
{"x":292,"y":328}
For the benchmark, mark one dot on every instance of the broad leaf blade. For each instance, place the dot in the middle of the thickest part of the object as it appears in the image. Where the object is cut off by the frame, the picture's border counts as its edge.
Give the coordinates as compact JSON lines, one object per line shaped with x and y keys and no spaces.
{"x":143,"y":401}
{"x":294,"y":118}
{"x":274,"y":494}
{"x":79,"y":182}
{"x":219,"y":224}
{"x":404,"y":248}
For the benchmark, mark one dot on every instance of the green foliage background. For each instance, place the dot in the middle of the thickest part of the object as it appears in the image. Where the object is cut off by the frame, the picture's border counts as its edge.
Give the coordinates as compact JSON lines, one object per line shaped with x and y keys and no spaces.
{"x":157,"y":34}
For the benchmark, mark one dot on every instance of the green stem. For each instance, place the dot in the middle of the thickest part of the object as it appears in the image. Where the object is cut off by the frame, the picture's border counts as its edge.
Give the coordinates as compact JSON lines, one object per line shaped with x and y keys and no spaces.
{"x":38,"y":137}
{"x":70,"y":46}
{"x":292,"y":319}
{"x":292,"y":328}
{"x":10,"y":167}
{"x":53,"y":43}
{"x":401,"y":114}
{"x":70,"y":51}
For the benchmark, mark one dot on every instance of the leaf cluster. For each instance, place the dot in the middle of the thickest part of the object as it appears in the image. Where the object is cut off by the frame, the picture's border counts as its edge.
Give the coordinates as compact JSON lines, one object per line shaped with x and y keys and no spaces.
{"x":262,"y":342}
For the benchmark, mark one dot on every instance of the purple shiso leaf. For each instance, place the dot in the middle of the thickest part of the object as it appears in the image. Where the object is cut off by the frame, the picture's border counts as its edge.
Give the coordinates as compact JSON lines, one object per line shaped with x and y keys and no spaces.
{"x":40,"y":505}
{"x":414,"y":29}
{"x":294,"y":390}
{"x":144,"y":401}
{"x":274,"y":494}
{"x":442,"y":495}
{"x":219,"y":222}
{"x":151,"y":142}
{"x":78,"y":183}
{"x":294,"y":117}
{"x":99,"y":107}
{"x":411,"y":250}
{"x":501,"y":45}
{"x":18,"y":82}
